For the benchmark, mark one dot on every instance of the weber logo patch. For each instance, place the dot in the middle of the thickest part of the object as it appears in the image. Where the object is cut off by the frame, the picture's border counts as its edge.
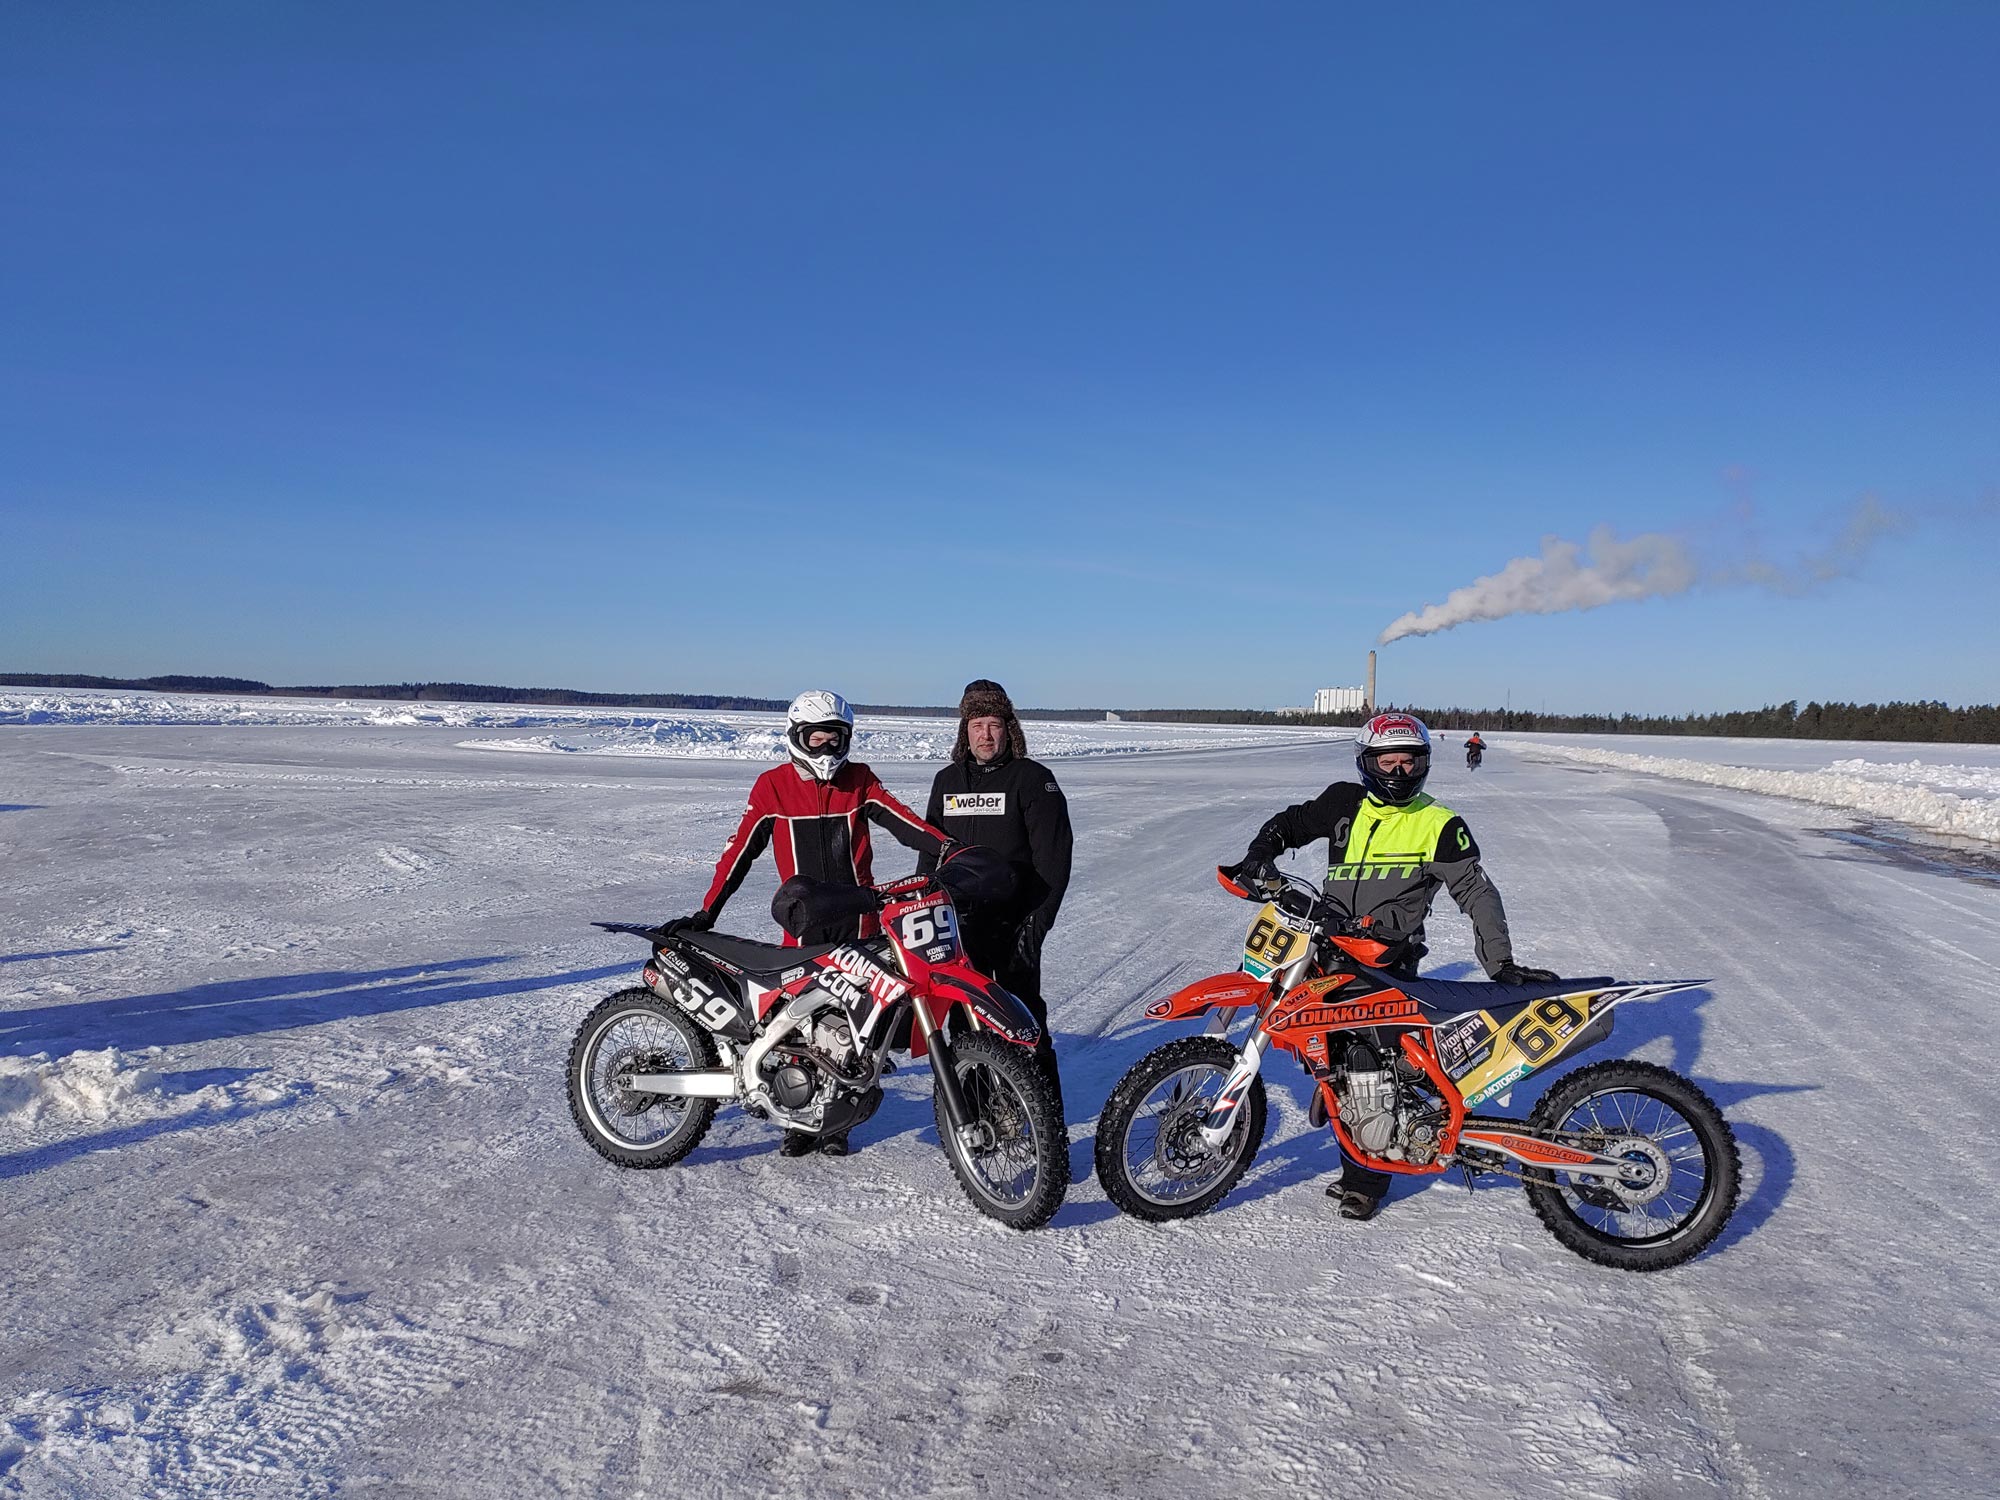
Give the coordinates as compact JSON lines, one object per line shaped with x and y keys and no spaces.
{"x":975,"y":804}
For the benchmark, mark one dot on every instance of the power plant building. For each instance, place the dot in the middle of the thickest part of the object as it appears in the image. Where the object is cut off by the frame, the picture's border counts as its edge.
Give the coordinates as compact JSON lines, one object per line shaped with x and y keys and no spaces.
{"x":1340,"y":700}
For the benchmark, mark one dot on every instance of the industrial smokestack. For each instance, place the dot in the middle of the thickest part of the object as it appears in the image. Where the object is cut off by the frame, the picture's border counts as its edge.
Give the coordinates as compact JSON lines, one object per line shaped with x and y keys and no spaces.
{"x":1368,"y":707}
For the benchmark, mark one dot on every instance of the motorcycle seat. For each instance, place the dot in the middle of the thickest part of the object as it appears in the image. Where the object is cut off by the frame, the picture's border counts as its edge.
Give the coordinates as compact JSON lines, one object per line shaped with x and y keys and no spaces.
{"x":1455,"y":996}
{"x":760,"y":959}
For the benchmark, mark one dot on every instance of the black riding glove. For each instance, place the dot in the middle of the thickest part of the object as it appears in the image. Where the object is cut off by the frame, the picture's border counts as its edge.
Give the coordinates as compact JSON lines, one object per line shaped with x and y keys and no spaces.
{"x":1513,"y":973}
{"x":698,"y":920}
{"x":1254,"y":870}
{"x":1028,"y":942}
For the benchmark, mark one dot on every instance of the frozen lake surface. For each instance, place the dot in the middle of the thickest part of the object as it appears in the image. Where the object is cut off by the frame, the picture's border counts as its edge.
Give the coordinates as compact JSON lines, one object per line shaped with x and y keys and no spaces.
{"x":293,"y":1205}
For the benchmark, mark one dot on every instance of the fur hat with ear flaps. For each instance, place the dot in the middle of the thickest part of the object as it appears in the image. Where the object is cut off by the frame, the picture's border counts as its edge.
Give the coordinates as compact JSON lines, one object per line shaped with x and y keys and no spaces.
{"x":986,"y":699}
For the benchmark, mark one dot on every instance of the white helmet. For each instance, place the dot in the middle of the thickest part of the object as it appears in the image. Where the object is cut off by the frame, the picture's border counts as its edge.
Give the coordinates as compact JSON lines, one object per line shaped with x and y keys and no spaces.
{"x":1393,"y":732}
{"x":819,"y":710}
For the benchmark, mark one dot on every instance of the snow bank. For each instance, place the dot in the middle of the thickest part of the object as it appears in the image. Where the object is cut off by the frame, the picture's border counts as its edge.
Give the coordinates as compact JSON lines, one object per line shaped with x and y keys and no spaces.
{"x":1905,"y":792}
{"x":97,"y":706}
{"x":632,"y":732}
{"x":1980,"y":781}
{"x":895,"y":740}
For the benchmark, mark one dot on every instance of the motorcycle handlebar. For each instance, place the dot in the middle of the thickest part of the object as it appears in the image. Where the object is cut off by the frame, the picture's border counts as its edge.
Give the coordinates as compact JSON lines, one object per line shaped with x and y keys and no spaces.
{"x":1307,"y":902}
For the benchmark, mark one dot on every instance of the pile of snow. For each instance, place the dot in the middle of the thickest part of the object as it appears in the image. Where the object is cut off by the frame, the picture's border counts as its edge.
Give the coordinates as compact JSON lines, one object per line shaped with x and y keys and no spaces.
{"x":722,"y":735}
{"x":82,"y":1086}
{"x":93,"y":1087}
{"x":1905,"y":792}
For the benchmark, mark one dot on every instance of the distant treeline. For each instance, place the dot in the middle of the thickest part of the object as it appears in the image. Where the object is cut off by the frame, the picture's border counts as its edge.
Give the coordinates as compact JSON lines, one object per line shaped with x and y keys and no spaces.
{"x":1921,"y":721}
{"x":401,"y":692}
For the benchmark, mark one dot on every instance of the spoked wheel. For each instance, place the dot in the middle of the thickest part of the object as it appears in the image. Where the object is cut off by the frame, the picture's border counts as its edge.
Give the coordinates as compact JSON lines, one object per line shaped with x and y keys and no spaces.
{"x":1685,"y":1175}
{"x":1013,"y":1160}
{"x":1150,"y":1154}
{"x":635,"y":1032}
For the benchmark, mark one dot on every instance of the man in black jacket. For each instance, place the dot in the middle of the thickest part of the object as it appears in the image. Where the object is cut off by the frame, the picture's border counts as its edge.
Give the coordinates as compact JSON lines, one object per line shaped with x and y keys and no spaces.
{"x":993,"y":796}
{"x":1390,"y":849}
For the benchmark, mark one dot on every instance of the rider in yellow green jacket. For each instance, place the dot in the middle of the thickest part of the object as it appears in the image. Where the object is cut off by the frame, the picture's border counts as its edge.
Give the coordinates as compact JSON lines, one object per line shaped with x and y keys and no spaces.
{"x":1390,"y":849}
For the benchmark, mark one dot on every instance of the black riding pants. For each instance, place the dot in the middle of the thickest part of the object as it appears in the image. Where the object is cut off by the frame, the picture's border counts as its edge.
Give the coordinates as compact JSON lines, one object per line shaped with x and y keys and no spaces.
{"x":997,"y":951}
{"x":1354,"y":1176}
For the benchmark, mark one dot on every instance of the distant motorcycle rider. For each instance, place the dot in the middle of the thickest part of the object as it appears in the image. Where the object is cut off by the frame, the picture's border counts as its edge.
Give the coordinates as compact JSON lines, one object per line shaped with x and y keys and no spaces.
{"x":814,"y":814}
{"x":1390,"y":848}
{"x":992,"y":796}
{"x":1475,"y":751}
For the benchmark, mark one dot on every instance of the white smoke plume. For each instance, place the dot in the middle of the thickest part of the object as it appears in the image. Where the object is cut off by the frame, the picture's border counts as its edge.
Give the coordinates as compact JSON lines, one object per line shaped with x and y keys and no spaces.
{"x":1870,"y":519}
{"x":1652,"y":565}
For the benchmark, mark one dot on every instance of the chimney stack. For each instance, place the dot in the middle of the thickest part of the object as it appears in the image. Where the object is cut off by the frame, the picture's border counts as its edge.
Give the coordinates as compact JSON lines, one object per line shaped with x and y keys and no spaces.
{"x":1368,"y":708}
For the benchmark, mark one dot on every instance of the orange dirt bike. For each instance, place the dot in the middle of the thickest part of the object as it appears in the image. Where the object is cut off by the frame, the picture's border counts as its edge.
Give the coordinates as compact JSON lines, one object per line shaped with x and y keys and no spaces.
{"x":1628,"y":1164}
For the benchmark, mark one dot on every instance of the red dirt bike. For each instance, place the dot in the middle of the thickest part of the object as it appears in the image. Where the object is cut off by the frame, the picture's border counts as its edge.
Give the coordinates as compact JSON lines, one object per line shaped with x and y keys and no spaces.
{"x":801,"y":1036}
{"x":1628,"y":1164}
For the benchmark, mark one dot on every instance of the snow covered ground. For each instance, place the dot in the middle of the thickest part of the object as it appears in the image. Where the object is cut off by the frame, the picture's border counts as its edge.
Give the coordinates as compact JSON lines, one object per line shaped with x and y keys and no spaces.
{"x":291,"y":1205}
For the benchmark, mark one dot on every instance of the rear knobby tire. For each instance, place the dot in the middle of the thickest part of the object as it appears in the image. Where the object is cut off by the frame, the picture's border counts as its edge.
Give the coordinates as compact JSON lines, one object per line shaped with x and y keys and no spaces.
{"x":1020,"y":1176}
{"x":1201,"y":1058}
{"x":638,"y":1130}
{"x":1632,"y":1241}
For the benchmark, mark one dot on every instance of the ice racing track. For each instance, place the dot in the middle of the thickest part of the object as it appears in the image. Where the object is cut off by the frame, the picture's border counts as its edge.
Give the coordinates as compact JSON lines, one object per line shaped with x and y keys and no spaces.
{"x":338,"y":1236}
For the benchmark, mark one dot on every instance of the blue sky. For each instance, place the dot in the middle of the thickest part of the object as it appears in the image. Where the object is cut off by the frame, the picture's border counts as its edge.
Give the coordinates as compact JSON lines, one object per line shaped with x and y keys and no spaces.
{"x":1133,"y":354}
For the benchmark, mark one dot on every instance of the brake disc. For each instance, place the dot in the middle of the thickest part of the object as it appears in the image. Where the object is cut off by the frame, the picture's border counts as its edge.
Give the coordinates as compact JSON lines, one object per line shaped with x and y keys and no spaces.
{"x":1644,"y":1176}
{"x":626,"y":1100}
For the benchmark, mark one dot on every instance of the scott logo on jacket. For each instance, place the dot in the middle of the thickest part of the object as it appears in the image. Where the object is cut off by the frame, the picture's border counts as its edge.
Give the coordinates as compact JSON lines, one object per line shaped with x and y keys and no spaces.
{"x":975,"y":804}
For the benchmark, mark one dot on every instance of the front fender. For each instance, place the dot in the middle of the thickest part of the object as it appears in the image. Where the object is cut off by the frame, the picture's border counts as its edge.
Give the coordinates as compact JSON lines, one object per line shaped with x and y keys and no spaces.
{"x":992,"y":1006}
{"x":1227,"y":990}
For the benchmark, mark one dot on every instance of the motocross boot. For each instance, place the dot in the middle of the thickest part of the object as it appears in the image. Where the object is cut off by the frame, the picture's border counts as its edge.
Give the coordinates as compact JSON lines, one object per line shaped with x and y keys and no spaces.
{"x":797,"y":1143}
{"x":834,"y":1142}
{"x":1354,"y":1204}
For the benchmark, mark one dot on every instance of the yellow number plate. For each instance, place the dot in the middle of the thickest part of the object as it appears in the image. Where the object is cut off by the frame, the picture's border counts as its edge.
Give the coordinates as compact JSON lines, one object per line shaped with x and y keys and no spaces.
{"x":1276,"y":938}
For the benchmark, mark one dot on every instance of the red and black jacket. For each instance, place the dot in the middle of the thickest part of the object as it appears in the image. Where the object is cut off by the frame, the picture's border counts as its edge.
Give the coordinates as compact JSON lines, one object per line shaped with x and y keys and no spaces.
{"x":817,"y":829}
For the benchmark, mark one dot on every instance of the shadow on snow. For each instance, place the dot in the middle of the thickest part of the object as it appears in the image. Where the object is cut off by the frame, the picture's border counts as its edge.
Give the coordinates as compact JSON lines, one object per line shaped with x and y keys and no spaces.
{"x":21,"y":958}
{"x":243,"y":1007}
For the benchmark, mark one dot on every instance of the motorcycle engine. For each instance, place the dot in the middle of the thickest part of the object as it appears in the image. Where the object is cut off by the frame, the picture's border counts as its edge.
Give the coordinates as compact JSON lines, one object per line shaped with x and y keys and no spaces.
{"x":793,"y":1084}
{"x":1384,"y":1109}
{"x":797,"y":1084}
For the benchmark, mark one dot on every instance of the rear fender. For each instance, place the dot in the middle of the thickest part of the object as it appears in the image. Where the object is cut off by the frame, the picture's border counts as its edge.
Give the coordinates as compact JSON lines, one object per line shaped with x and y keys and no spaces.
{"x":1227,"y":991}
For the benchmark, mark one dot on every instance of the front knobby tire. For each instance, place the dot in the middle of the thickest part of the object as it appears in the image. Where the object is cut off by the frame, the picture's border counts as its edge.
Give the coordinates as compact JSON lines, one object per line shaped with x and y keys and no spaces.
{"x":1667,"y":1119}
{"x":1016,"y":1168}
{"x":1150,"y":1161}
{"x":631,"y":1030}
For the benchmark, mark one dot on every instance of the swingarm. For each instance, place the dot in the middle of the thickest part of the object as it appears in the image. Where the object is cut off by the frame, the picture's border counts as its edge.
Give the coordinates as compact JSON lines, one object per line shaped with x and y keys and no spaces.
{"x":1509,"y":1138}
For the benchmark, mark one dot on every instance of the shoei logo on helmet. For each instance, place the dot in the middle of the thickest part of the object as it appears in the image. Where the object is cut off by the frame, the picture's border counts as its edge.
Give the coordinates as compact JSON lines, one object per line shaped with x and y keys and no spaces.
{"x":1392,"y":729}
{"x":1393,"y":754}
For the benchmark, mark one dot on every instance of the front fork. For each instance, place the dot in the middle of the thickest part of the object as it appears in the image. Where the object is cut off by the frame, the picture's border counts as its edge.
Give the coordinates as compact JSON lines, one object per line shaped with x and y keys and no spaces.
{"x":1221,"y":1121}
{"x":944,"y":1071}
